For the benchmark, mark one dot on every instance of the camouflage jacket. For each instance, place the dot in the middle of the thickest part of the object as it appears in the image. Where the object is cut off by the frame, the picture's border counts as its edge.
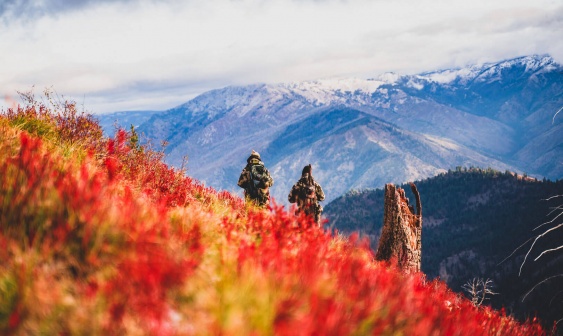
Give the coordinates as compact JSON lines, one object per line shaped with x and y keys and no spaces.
{"x":258,"y":189}
{"x":307,"y":204}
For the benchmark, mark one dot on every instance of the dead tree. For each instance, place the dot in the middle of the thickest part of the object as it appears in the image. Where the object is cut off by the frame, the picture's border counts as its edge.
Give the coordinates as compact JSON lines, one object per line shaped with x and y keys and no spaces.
{"x":401,"y":235}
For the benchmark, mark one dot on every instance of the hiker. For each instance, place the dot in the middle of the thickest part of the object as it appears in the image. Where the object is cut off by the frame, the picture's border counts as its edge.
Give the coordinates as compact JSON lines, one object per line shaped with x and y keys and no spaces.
{"x":307,"y":193}
{"x":256,"y":181}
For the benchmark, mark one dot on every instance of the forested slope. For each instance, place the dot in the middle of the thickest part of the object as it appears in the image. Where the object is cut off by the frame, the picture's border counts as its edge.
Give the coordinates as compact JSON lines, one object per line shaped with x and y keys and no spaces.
{"x":473,"y":221}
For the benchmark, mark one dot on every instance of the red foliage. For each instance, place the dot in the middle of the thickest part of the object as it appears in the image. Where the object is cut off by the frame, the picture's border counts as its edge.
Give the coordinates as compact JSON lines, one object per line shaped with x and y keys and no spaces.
{"x":69,"y":205}
{"x":65,"y":123}
{"x":146,"y":170}
{"x":362,"y":292}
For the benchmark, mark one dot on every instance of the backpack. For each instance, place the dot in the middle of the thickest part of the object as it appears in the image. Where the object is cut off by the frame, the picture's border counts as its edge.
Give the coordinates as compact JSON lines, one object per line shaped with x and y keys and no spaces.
{"x":258,"y":174}
{"x":307,"y":192}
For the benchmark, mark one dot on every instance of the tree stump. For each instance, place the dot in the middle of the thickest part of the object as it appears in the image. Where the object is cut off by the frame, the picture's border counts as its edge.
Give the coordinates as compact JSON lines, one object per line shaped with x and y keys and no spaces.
{"x":400,"y":240}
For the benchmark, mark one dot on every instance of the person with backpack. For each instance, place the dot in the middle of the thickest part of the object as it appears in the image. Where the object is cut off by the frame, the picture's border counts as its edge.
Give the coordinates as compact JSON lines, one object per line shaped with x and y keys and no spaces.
{"x":256,"y":181}
{"x":307,"y":193}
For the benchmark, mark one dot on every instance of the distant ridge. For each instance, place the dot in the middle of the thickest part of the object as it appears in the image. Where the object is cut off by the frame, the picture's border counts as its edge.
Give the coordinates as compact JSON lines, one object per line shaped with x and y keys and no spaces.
{"x":123,"y":119}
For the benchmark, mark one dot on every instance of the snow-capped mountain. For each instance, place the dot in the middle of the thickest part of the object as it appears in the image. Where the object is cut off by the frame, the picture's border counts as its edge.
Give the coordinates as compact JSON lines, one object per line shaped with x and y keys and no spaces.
{"x":363,"y":133}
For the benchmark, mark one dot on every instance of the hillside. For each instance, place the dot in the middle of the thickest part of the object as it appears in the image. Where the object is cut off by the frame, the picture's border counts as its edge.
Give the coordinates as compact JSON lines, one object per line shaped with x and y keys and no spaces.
{"x":99,"y":236}
{"x":473,"y":220}
{"x":363,"y":133}
{"x":111,"y":122}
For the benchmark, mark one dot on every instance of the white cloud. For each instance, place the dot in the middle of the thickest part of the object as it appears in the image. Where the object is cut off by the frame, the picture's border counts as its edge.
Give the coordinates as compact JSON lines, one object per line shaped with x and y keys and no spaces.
{"x":157,"y":54}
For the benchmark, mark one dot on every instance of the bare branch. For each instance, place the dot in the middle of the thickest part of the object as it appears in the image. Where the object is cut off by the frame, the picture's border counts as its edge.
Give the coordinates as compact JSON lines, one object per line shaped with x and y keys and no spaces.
{"x":535,"y":240}
{"x":511,"y":254}
{"x":552,"y":229}
{"x":559,"y":207}
{"x":526,"y":256}
{"x":551,"y":221}
{"x":550,"y":250}
{"x":478,"y":289}
{"x":547,"y":199}
{"x":554,"y":296}
{"x":555,"y":115}
{"x":539,"y":283}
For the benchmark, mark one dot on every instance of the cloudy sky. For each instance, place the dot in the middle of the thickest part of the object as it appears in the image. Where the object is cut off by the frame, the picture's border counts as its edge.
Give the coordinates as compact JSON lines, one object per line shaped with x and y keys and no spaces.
{"x":115,"y":55}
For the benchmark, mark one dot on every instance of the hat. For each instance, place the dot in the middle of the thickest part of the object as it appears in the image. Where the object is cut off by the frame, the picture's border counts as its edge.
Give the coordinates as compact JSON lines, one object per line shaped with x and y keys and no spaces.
{"x":253,"y":155}
{"x":307,"y":170}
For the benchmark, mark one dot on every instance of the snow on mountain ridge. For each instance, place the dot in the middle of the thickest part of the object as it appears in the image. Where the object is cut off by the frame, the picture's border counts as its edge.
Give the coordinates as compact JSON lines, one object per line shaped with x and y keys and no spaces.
{"x":532,"y":63}
{"x":318,"y":92}
{"x":447,"y":76}
{"x":324,"y":92}
{"x":485,"y":71}
{"x":327,"y":91}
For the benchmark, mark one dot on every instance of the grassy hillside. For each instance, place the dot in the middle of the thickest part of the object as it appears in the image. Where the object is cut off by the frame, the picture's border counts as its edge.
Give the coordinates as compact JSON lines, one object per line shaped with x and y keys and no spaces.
{"x":473,"y":221}
{"x":99,"y":236}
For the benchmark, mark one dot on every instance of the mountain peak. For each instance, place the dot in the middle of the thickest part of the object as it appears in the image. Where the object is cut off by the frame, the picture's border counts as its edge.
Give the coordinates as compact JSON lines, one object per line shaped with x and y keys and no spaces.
{"x":488,"y":71}
{"x":338,"y":84}
{"x":531,"y":62}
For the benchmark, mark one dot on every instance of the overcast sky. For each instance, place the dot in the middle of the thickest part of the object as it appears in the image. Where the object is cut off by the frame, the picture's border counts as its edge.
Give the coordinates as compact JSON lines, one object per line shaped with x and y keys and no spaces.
{"x":115,"y":55}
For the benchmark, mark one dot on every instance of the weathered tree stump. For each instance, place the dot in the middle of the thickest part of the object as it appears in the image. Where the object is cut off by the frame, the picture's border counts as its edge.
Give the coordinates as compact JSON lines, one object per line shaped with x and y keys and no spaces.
{"x":401,"y":234}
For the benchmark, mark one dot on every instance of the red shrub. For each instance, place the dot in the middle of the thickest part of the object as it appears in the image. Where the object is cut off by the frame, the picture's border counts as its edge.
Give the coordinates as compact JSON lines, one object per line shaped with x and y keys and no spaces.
{"x":92,"y":222}
{"x":340,"y":290}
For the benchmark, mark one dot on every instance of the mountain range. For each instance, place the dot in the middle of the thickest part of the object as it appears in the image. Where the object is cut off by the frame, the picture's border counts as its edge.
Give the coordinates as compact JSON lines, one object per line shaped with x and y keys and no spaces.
{"x":363,"y":133}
